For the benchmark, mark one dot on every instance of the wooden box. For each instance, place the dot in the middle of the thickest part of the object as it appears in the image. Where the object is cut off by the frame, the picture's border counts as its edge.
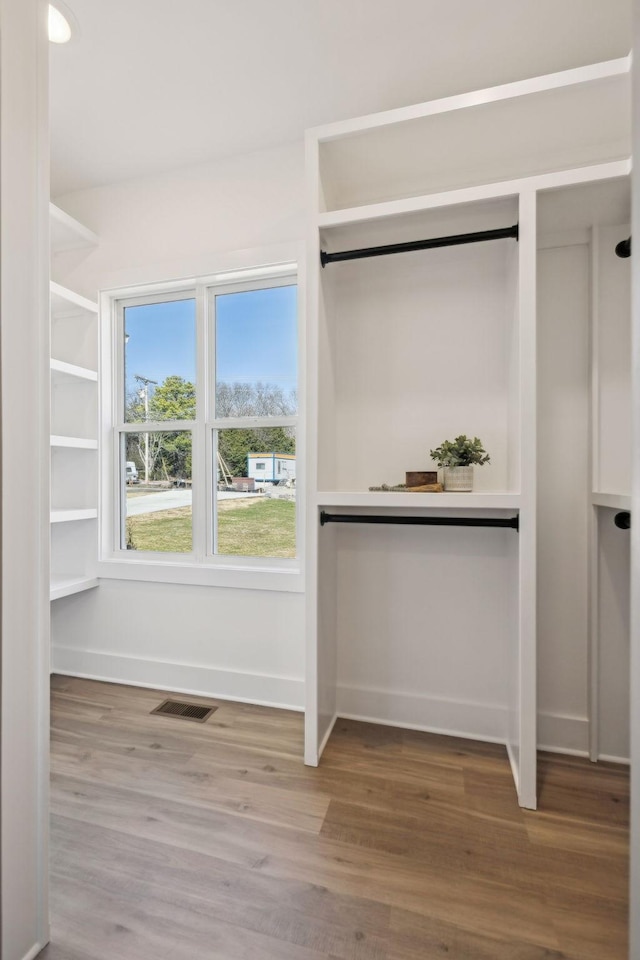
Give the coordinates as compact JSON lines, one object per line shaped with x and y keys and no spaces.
{"x":420,"y":478}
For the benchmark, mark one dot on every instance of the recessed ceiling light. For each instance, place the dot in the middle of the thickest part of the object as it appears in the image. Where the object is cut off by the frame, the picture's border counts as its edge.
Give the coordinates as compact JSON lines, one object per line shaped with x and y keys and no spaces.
{"x":59,"y":26}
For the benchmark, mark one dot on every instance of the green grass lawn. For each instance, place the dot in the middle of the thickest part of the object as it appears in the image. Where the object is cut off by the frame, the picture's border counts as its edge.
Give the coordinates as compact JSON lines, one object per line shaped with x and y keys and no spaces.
{"x":246,"y":528}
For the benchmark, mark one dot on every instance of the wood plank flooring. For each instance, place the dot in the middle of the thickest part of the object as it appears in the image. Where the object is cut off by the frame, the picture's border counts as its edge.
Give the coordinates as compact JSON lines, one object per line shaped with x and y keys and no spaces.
{"x":179,"y":840}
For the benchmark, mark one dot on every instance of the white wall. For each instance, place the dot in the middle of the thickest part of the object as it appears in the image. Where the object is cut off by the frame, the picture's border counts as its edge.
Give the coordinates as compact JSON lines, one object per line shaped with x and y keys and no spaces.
{"x":227,"y":642}
{"x":25,"y":508}
{"x":171,"y":226}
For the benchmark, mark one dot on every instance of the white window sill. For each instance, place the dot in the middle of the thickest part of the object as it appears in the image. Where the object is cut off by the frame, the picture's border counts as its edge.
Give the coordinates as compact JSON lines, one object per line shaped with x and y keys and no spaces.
{"x":289,"y":580}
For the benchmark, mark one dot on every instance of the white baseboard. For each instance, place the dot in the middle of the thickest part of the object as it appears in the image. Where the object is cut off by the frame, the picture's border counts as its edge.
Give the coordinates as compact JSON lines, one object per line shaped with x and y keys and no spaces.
{"x":557,"y":733}
{"x":563,"y":733}
{"x":607,"y":758}
{"x":456,"y":718}
{"x":198,"y":680}
{"x":35,"y":950}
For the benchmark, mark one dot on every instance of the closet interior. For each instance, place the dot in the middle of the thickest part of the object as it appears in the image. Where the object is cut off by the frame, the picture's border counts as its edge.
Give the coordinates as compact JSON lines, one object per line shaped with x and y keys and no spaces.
{"x":517,"y":632}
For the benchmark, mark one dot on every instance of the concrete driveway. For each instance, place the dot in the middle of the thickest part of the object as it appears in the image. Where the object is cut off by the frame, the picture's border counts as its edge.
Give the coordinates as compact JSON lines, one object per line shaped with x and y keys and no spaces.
{"x":173,"y":499}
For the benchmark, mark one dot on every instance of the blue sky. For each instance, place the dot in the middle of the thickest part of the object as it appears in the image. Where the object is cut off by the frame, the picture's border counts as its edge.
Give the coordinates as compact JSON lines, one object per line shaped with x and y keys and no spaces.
{"x":256,"y":338}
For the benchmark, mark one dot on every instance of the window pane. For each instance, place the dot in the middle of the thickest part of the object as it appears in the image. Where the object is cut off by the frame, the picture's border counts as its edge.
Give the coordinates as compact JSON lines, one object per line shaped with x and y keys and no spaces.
{"x":156,"y":479}
{"x":257,"y":353}
{"x":256,"y":495}
{"x":160,"y":361}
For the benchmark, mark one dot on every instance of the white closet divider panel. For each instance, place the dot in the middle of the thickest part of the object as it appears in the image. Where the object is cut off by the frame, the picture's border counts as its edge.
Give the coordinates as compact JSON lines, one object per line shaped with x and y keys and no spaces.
{"x":522,"y":730}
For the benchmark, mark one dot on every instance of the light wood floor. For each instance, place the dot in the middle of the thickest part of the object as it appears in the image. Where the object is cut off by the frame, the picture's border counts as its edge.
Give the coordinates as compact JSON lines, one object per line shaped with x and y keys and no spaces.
{"x":174,"y":840}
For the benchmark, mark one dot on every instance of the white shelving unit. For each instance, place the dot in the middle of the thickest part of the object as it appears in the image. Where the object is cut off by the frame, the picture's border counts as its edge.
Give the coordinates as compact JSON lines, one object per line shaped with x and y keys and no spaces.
{"x":74,"y":422}
{"x":434,"y":627}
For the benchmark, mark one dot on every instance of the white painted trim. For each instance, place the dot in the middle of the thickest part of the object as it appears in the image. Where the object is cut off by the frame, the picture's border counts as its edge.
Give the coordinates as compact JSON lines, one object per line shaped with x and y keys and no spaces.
{"x":24,"y":355}
{"x":286,"y":693}
{"x":608,"y":758}
{"x":241,"y":576}
{"x":566,"y":751}
{"x":442,"y":501}
{"x":458,"y":718}
{"x":325,"y":739}
{"x":564,"y":733}
{"x":506,"y":91}
{"x":200,"y":566}
{"x":35,"y":950}
{"x":421,"y":728}
{"x":574,"y":176}
{"x":603,"y":757}
{"x":451,"y":717}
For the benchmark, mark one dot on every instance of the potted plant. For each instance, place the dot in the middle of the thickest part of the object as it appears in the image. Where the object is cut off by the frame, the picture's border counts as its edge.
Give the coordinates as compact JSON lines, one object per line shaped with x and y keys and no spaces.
{"x":456,"y":458}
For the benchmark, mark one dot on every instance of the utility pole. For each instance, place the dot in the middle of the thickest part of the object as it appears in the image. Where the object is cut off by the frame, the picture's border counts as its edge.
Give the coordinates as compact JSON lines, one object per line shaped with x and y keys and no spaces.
{"x":143,"y":393}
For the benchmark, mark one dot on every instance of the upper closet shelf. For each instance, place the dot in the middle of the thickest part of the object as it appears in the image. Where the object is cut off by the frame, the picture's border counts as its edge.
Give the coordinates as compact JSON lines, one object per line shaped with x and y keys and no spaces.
{"x":468,"y":195}
{"x":66,"y":303}
{"x":442,"y":501}
{"x":67,"y":233}
{"x":62,"y":369}
{"x":614,"y":501}
{"x":564,"y":120}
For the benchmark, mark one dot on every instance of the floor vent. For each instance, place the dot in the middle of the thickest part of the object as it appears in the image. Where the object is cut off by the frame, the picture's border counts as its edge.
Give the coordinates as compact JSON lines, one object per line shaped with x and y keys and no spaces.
{"x":185,"y":711}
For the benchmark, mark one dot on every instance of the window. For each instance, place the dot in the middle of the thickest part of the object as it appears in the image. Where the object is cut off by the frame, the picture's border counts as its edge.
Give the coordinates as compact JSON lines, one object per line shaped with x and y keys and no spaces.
{"x":203,"y":377}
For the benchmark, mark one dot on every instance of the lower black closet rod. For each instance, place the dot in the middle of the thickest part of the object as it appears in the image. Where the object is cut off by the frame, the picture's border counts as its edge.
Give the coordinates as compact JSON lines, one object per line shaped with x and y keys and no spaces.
{"x":502,"y":233}
{"x":623,"y":520}
{"x":512,"y":523}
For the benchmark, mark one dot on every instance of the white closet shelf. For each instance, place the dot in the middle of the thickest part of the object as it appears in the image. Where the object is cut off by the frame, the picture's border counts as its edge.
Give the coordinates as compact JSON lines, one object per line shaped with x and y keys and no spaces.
{"x":60,"y":367}
{"x":388,"y":209}
{"x":69,"y":516}
{"x":67,"y":303}
{"x":75,"y":443}
{"x":444,"y":501}
{"x":66,"y":586}
{"x":615,"y":501}
{"x":67,"y":233}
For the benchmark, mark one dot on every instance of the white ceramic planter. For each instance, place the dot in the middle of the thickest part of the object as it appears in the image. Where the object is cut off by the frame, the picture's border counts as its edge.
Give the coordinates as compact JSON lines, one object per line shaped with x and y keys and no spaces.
{"x":458,"y":479}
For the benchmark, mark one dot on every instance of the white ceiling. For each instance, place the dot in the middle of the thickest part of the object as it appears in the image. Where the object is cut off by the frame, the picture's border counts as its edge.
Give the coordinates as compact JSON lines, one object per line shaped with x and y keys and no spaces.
{"x":151,"y":85}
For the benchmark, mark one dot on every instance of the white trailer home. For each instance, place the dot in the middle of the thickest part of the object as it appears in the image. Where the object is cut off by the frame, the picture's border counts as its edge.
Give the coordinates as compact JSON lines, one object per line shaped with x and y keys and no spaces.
{"x":271,"y":467}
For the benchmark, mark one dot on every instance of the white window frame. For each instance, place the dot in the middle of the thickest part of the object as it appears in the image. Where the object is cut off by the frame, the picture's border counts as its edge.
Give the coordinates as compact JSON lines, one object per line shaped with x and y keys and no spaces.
{"x":201,"y":566}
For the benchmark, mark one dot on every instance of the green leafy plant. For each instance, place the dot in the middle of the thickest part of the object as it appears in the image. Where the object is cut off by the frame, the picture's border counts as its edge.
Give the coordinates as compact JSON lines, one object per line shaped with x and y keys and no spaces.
{"x":461,"y":452}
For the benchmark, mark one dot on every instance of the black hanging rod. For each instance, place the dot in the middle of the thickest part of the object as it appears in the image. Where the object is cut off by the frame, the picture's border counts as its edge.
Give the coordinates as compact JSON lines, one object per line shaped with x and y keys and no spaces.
{"x":623,"y":520}
{"x":623,"y":249}
{"x":512,"y":522}
{"x":501,"y":233}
